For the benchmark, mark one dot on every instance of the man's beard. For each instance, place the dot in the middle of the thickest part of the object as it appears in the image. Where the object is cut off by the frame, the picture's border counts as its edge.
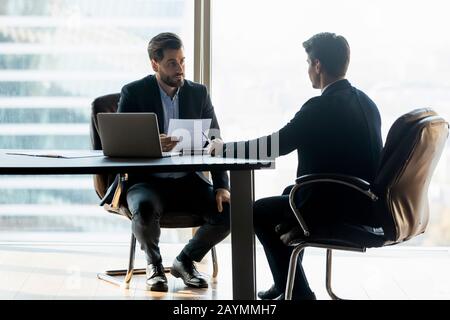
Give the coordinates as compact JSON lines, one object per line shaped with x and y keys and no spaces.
{"x":174,"y":83}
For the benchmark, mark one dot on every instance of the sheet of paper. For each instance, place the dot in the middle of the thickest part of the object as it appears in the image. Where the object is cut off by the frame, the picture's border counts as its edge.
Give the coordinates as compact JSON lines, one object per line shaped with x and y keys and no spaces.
{"x":192,"y":132}
{"x":67,"y":154}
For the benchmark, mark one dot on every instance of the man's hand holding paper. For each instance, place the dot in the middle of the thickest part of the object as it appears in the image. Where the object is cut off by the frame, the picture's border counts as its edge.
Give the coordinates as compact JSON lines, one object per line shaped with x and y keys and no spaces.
{"x":168,"y":142}
{"x":191,"y":133}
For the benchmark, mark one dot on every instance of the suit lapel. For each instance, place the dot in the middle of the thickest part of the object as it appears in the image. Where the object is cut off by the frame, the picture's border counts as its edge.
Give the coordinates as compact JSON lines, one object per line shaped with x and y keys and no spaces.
{"x":156,"y":99}
{"x":182,"y":103}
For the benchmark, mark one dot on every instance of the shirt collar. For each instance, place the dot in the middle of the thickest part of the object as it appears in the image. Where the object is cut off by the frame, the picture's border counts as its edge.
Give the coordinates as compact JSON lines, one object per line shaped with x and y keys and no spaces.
{"x":165,"y":95}
{"x":325,"y":88}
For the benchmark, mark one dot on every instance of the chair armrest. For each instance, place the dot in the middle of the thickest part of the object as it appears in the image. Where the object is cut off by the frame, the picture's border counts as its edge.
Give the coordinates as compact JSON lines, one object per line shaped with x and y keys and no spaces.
{"x":349,"y":181}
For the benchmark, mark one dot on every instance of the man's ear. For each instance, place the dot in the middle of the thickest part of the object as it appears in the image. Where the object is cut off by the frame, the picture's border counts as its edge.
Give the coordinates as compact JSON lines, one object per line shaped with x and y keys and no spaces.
{"x":155,"y":66}
{"x":318,"y":66}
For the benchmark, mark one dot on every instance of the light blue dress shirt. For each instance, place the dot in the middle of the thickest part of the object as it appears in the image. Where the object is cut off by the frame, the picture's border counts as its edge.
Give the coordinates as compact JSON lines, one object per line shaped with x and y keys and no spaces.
{"x":171,"y":108}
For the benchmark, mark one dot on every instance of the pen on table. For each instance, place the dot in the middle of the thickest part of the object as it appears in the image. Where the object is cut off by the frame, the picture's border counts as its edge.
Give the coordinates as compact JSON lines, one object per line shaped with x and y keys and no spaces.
{"x":207,"y":139}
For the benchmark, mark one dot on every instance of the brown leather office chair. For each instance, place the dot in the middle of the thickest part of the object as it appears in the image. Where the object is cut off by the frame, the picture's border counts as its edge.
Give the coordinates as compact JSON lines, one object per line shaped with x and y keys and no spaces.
{"x":109,"y":103}
{"x":399,"y":192}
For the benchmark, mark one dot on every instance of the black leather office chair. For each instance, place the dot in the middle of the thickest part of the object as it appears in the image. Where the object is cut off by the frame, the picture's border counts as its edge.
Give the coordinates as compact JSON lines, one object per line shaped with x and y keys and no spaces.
{"x":109,"y":103}
{"x":399,"y":192}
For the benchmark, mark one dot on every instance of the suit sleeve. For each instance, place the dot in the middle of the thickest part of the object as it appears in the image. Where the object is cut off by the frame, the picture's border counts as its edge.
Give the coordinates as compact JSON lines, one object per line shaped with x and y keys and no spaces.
{"x":289,"y":138}
{"x":220,"y":178}
{"x":127,"y":101}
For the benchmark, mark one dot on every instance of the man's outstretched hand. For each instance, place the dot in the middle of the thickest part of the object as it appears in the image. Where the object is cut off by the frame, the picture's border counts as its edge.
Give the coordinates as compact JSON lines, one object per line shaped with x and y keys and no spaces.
{"x":215,"y":148}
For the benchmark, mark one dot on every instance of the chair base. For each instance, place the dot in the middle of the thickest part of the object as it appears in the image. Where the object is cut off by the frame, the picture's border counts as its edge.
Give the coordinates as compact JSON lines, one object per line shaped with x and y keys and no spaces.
{"x":111,"y":275}
{"x":294,"y":259}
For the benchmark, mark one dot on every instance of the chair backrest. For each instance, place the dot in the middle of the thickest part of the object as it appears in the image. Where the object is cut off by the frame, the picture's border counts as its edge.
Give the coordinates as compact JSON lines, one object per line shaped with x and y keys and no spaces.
{"x":412,"y":150}
{"x":107,"y":103}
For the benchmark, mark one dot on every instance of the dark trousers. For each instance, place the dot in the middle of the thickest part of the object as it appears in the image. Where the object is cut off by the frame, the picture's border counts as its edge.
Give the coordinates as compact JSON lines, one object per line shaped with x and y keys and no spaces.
{"x":268,"y":213}
{"x":148,"y":200}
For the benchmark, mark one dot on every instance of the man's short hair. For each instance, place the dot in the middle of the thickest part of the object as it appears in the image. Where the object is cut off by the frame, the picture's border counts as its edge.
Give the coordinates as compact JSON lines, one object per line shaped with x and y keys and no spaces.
{"x":331,"y":50}
{"x":161,"y":42}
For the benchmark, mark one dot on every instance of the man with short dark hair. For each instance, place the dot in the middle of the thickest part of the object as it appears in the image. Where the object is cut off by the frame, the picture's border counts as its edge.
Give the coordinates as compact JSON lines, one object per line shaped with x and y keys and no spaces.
{"x":149,"y":196}
{"x":336,"y":132}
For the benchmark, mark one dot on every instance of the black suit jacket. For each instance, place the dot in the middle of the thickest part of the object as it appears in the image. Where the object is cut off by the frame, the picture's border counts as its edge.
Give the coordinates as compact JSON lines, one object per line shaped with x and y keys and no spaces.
{"x":337,"y":132}
{"x":194,"y":103}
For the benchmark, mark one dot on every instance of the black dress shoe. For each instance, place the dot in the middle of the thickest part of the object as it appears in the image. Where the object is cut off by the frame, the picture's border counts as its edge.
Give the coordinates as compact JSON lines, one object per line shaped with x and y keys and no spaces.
{"x":311,"y":296}
{"x":270,"y":294}
{"x":156,"y":278}
{"x":188,"y":273}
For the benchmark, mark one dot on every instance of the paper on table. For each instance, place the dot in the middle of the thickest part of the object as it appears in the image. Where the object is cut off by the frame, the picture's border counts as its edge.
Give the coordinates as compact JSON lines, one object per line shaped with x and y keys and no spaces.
{"x":67,"y":154}
{"x":191,"y":131}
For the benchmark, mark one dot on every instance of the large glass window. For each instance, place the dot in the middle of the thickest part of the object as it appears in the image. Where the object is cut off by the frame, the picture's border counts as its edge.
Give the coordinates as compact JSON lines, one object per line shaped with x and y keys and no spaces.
{"x":399,"y":58}
{"x":56,"y":56}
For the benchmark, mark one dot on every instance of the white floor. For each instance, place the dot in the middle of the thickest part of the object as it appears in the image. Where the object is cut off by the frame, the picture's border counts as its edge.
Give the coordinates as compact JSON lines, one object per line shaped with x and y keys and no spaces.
{"x":66,"y":269}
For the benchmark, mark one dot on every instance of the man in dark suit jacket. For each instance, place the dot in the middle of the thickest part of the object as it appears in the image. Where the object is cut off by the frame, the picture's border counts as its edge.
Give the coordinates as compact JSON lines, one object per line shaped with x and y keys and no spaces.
{"x":149,"y":196}
{"x":336,"y":132}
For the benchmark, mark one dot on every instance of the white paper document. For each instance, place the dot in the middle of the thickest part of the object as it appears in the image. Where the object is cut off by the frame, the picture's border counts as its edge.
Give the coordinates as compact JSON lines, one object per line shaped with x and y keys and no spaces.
{"x":192,"y":132}
{"x":66,"y":154}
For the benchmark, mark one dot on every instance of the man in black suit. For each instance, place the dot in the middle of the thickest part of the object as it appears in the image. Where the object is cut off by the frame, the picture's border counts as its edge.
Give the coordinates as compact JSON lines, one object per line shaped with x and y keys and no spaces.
{"x":149,"y":196}
{"x":336,"y":132}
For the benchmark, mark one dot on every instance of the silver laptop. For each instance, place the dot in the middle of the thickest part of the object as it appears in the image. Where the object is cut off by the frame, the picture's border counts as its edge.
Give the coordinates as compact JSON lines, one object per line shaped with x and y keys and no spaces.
{"x":128,"y":135}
